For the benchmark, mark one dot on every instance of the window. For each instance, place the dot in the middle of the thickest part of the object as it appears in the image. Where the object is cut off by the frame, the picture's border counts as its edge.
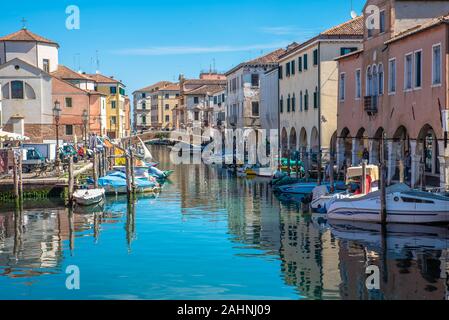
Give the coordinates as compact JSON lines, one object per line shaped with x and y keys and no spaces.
{"x":315,"y":57}
{"x":287,"y":69}
{"x":288,"y":103}
{"x":358,"y":84}
{"x":293,"y":103}
{"x":144,"y":105}
{"x":112,"y":90}
{"x":418,"y":69}
{"x":306,"y":101}
{"x":381,"y":77}
{"x":113,"y":120}
{"x":196,"y":116}
{"x":167,"y":96}
{"x":370,"y":26}
{"x":436,"y":64}
{"x":315,"y":98}
{"x":255,"y":108}
{"x":167,"y":118}
{"x":121,"y":91}
{"x":293,"y":67}
{"x":300,"y":64}
{"x":382,"y":22}
{"x":113,"y":104}
{"x":408,"y":72}
{"x":196,"y":100}
{"x":369,"y":82}
{"x":342,"y":86}
{"x":344,"y":51}
{"x":375,"y":82}
{"x":392,"y":76}
{"x":281,"y":105}
{"x":281,"y":72}
{"x":223,"y":97}
{"x":305,"y":62}
{"x":255,"y":80}
{"x":46,"y":65}
{"x":69,"y":129}
{"x":144,"y":119}
{"x":167,"y":107}
{"x":17,"y":90}
{"x":300,"y":101}
{"x":215,"y":100}
{"x":144,"y":95}
{"x":68,"y":102}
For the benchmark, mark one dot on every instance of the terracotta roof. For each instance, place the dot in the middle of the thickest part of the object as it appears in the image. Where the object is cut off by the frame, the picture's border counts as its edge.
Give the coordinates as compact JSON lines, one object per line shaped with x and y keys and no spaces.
{"x":203,"y":81}
{"x":64,"y":72}
{"x":26,"y":35}
{"x":102,"y":79}
{"x":430,"y":24}
{"x":206,"y":89}
{"x":270,"y":58}
{"x":171,"y":87}
{"x":353,"y":28}
{"x":155,"y":86}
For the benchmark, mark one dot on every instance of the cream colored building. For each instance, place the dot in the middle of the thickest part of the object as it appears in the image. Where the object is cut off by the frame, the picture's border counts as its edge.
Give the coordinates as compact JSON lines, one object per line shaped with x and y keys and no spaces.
{"x":308,"y":89}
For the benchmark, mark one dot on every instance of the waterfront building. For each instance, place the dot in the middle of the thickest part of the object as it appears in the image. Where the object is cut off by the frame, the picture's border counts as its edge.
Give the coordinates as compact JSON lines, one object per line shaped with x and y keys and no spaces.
{"x":76,"y":93}
{"x":26,"y":90}
{"x":308,"y":90}
{"x":193,"y":107}
{"x":116,"y":106}
{"x":217,"y":103}
{"x":269,"y":100}
{"x":243,"y":90}
{"x":396,"y":87}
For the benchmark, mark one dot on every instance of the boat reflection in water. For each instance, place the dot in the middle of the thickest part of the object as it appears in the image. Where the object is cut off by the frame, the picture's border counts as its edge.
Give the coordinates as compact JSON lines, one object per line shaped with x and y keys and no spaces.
{"x":210,"y":235}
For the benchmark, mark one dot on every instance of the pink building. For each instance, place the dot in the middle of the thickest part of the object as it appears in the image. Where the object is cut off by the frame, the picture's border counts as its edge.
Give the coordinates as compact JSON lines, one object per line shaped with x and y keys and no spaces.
{"x":396,"y":87}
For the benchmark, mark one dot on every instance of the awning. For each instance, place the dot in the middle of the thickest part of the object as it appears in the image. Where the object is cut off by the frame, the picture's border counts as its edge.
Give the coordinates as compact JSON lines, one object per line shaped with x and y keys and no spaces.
{"x":9,"y":136}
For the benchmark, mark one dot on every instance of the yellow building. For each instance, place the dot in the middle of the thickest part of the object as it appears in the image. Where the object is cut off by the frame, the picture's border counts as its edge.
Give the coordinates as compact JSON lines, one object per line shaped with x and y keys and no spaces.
{"x":165,"y":100}
{"x":116,"y":105}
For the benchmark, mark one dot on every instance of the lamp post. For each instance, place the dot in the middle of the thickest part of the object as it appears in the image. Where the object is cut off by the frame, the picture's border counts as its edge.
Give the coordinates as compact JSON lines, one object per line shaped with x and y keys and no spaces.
{"x":85,"y":121}
{"x":57,"y":116}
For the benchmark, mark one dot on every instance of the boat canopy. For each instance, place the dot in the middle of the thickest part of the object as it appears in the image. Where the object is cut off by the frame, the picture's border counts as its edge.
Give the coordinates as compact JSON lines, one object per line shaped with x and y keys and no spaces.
{"x":117,"y":179}
{"x":371,"y":170}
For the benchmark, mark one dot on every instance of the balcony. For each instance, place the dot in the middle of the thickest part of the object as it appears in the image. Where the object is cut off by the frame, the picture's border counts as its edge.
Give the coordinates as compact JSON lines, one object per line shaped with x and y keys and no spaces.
{"x":370,"y":104}
{"x":233,"y":120}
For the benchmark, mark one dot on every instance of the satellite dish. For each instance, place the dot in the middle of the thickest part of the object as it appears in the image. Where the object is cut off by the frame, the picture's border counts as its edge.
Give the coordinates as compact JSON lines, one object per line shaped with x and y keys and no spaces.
{"x":353,"y":14}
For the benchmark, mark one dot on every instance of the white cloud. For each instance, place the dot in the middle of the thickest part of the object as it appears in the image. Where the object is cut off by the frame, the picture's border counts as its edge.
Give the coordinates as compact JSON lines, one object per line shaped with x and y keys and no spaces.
{"x":184,"y":50}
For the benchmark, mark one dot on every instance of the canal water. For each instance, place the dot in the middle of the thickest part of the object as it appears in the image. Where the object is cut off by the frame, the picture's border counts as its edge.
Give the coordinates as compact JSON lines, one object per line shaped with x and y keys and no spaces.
{"x":210,"y":235}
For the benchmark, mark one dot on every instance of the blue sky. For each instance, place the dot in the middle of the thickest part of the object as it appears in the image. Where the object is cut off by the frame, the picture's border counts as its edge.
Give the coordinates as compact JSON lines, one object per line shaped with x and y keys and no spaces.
{"x":142,"y":42}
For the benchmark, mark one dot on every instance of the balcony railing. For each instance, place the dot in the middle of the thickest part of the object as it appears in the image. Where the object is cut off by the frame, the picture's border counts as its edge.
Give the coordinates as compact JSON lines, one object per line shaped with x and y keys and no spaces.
{"x":370,"y":104}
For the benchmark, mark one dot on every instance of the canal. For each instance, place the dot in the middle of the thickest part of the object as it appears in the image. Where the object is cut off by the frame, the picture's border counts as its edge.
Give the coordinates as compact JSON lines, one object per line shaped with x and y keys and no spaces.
{"x":210,"y":235}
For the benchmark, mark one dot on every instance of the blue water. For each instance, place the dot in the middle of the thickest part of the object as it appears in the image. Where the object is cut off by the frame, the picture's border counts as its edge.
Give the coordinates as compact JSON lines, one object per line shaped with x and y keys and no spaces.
{"x":210,"y":235}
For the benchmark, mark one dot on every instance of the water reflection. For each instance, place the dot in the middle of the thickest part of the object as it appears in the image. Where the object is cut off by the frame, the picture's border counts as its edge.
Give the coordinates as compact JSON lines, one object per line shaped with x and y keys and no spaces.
{"x":236,"y":226}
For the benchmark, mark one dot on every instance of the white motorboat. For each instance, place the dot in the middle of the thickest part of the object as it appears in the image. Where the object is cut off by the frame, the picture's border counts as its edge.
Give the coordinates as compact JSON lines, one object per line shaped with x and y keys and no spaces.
{"x":88,"y":197}
{"x":264,"y":172}
{"x":322,"y":198}
{"x":403,"y":204}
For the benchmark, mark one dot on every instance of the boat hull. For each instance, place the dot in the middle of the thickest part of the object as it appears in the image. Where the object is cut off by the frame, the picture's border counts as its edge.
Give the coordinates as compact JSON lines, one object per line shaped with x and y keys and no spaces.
{"x":398,"y":211}
{"x":298,"y":188}
{"x":89,"y":197}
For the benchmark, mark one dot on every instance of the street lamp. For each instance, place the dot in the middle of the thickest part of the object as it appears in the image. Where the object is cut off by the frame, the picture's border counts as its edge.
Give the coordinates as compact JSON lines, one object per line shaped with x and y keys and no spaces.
{"x":85,"y":121}
{"x":57,"y":116}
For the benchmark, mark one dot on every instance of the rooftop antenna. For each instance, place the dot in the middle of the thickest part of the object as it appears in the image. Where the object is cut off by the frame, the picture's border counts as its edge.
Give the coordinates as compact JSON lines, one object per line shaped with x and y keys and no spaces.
{"x":213,"y":61}
{"x":24,"y":24}
{"x":98,"y":63}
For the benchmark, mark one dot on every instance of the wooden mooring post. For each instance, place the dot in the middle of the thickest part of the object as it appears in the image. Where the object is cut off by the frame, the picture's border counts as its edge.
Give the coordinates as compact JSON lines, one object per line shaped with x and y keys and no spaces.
{"x":401,"y":171}
{"x":128,"y":175}
{"x":383,"y":176}
{"x":71,"y":182}
{"x":331,"y":173}
{"x":133,"y":175}
{"x":15,"y":175}
{"x":319,"y":167}
{"x":95,"y":168}
{"x":363,"y":180}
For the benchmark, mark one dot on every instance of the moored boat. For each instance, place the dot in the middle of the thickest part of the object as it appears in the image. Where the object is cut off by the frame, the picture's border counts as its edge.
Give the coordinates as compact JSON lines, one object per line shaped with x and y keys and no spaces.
{"x":88,"y":197}
{"x":403,"y":205}
{"x":299,"y":188}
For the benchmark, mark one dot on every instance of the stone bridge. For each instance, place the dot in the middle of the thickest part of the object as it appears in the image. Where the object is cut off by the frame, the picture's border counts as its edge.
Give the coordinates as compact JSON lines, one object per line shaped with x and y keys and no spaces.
{"x":174,"y":136}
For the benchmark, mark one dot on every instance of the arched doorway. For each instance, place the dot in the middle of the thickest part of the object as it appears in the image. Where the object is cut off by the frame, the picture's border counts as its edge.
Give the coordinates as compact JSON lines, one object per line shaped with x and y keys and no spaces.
{"x":345,"y":147}
{"x":362,"y":144}
{"x":293,"y":140}
{"x":428,"y":150}
{"x":401,"y":146}
{"x":303,"y":140}
{"x":375,"y":151}
{"x":284,"y":142}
